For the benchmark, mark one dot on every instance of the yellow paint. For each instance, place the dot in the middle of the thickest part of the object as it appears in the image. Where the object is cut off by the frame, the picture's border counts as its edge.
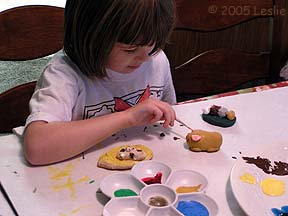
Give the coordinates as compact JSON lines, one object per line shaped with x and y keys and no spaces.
{"x":248,"y":178}
{"x":77,"y":210}
{"x":70,"y":185}
{"x":188,"y":189}
{"x":272,"y":187}
{"x":58,"y":174}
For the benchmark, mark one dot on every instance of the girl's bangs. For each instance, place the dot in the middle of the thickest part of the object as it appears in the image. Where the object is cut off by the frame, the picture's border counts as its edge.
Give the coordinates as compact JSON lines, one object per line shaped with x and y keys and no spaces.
{"x":146,"y":26}
{"x":138,"y":36}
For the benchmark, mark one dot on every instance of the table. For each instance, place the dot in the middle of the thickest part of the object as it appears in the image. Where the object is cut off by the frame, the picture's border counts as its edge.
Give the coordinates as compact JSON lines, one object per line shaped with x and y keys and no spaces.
{"x":5,"y":209}
{"x":72,"y":187}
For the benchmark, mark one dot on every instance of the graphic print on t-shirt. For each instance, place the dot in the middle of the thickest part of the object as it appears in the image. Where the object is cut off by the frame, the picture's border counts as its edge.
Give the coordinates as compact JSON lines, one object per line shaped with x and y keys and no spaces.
{"x":122,"y":103}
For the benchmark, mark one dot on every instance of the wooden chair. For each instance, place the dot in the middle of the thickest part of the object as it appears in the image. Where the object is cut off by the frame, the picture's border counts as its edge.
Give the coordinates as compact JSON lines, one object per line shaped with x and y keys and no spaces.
{"x":219,"y":46}
{"x":26,"y":32}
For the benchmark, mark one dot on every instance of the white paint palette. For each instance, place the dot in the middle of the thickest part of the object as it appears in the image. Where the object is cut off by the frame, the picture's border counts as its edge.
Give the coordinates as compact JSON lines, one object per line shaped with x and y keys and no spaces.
{"x":151,"y":197}
{"x":250,"y":196}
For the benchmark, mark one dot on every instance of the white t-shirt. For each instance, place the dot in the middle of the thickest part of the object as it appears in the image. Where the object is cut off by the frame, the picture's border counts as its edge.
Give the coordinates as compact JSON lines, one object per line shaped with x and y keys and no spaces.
{"x":63,"y":93}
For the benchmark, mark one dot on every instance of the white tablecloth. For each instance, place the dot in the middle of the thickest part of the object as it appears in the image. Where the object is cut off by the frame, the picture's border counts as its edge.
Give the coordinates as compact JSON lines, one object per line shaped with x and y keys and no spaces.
{"x":5,"y":209}
{"x":261,"y":121}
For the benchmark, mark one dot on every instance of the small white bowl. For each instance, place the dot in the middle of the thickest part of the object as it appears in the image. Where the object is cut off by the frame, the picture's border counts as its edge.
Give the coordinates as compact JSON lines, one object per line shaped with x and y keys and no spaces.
{"x":170,"y":211}
{"x":118,"y":181}
{"x":205,"y":200}
{"x":150,"y":168}
{"x":158,"y":196}
{"x":125,"y":206}
{"x":187,"y":178}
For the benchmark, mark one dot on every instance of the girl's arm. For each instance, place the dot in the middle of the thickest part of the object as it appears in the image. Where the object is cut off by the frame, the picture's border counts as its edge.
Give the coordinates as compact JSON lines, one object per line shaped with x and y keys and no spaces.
{"x":46,"y":143}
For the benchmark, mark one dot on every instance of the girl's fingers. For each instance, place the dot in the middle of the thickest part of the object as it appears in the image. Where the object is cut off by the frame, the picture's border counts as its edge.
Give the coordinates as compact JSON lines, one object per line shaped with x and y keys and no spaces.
{"x":161,"y":111}
{"x":167,"y":118}
{"x":173,"y":117}
{"x":156,"y":115}
{"x":168,"y":114}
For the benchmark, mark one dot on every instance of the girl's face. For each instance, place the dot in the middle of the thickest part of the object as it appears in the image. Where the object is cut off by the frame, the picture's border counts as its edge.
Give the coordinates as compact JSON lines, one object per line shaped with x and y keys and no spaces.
{"x":125,"y":58}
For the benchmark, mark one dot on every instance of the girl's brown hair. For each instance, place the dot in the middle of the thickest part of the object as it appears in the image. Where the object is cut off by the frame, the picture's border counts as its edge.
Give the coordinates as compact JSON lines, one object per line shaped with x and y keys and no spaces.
{"x":92,"y":27}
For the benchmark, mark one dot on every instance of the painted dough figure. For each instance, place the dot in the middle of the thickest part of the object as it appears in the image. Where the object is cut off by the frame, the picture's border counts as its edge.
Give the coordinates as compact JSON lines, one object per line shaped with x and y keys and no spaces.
{"x":124,"y":157}
{"x":219,"y":116}
{"x":131,"y":153}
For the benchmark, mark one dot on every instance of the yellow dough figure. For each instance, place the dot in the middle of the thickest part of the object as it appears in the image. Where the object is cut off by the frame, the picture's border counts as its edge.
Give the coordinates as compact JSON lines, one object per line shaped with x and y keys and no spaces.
{"x":114,"y":160}
{"x":200,"y":140}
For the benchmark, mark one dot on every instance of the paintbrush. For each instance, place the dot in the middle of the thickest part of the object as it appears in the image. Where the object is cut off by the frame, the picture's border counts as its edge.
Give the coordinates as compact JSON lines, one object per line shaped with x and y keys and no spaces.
{"x":181,"y":122}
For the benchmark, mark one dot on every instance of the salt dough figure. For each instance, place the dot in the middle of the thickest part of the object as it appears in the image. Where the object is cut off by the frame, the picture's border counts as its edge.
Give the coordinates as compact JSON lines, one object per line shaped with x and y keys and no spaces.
{"x":219,"y":116}
{"x":131,"y":153}
{"x":109,"y":160}
{"x":200,"y":140}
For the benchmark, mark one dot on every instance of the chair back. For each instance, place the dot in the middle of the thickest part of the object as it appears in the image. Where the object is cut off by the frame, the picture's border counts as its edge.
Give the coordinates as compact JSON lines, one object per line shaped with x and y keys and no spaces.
{"x":219,"y":46}
{"x":26,"y":32}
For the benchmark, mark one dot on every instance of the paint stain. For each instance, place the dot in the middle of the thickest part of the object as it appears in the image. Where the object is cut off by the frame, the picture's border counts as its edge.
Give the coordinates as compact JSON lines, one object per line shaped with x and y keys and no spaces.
{"x":91,"y":182}
{"x":162,"y":135}
{"x":76,"y":210}
{"x":279,"y":168}
{"x":248,"y":178}
{"x":269,"y":186}
{"x":59,"y":174}
{"x":188,"y":189}
{"x":273,"y":187}
{"x":70,"y":185}
{"x":280,"y":212}
{"x":34,"y":190}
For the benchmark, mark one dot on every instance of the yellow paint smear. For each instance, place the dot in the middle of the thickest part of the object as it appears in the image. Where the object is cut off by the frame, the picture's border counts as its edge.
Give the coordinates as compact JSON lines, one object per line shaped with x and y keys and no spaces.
{"x":58,"y":174}
{"x":272,"y":187}
{"x":70,"y":185}
{"x":188,"y":189}
{"x":248,"y":178}
{"x":77,"y":210}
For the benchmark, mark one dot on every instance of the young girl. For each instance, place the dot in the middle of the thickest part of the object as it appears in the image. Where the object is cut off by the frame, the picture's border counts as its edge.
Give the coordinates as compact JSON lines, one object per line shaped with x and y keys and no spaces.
{"x":111,"y":75}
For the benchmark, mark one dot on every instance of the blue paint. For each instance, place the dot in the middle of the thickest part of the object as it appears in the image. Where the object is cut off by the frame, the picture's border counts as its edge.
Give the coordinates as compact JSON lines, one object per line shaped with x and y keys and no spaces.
{"x":192,"y":208}
{"x":280,"y":212}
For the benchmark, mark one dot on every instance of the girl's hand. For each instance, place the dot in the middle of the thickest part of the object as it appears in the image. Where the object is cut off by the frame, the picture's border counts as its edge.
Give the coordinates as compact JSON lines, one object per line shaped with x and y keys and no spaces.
{"x":150,"y":111}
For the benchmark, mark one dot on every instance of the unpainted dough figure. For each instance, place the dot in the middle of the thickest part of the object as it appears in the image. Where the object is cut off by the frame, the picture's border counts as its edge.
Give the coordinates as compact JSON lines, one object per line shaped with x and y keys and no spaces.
{"x":200,"y":140}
